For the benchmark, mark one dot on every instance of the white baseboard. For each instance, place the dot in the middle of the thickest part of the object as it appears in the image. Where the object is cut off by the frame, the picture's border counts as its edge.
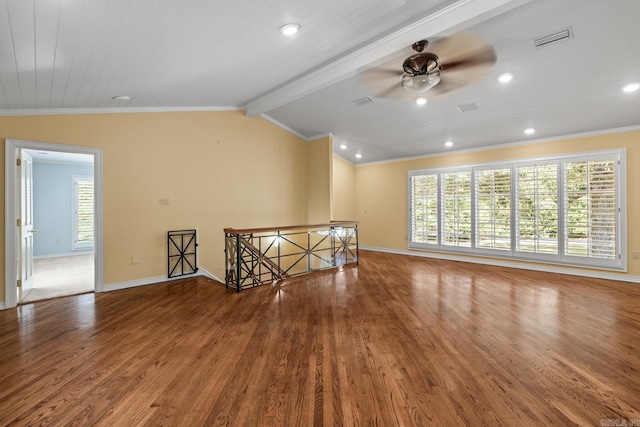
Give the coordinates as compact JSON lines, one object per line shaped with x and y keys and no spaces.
{"x":62,"y":255}
{"x":205,"y":273}
{"x":143,"y":282}
{"x":154,"y":280}
{"x":511,"y":264}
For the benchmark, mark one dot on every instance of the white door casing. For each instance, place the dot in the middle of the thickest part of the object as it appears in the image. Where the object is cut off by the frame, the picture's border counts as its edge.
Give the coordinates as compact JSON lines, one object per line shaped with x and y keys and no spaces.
{"x":25,"y":224}
{"x":12,"y":204}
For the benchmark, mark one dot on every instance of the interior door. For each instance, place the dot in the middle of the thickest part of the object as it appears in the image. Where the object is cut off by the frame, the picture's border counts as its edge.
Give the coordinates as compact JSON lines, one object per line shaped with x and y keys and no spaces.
{"x":25,"y":225}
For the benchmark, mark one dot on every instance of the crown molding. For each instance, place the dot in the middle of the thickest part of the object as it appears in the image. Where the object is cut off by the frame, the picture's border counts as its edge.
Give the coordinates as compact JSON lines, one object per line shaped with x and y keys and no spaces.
{"x":510,"y":144}
{"x":283,"y":126}
{"x":115,"y":110}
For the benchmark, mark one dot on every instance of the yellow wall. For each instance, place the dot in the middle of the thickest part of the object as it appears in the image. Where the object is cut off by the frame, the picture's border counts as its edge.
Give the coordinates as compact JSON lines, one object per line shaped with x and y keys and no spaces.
{"x":219,"y":169}
{"x":319,"y":159}
{"x":381,"y":189}
{"x":223,"y":169}
{"x":343,"y":207}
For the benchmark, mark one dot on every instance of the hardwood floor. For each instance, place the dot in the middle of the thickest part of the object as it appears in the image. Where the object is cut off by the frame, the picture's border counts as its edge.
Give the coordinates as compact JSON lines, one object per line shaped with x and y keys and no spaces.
{"x":395,"y":341}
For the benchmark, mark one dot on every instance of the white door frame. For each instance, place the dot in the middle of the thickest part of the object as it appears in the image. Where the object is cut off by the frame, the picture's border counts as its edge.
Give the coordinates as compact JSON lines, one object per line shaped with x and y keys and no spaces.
{"x":12,"y":198}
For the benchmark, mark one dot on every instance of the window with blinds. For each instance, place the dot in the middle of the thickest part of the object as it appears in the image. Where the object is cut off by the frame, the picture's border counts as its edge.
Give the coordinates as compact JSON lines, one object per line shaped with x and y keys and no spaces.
{"x":537,"y":208}
{"x":565,"y":210}
{"x":493,"y":208}
{"x":82,"y":212}
{"x":590,"y":214}
{"x":424,"y":209}
{"x":456,"y":209}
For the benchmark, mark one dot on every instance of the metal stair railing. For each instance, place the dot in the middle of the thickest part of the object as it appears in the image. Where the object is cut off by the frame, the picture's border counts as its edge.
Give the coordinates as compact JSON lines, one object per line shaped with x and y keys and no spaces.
{"x":259,"y":256}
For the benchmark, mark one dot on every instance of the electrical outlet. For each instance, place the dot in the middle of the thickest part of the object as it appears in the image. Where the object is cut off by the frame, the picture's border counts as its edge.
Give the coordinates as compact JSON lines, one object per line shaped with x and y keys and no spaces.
{"x":134,"y":259}
{"x":635,"y":255}
{"x":165,"y":201}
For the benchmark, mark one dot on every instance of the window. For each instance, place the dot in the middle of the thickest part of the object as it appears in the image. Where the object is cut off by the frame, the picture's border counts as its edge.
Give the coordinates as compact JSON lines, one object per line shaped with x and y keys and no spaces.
{"x":591,"y":208}
{"x":568,"y":210}
{"x":493,"y":208}
{"x":82,"y":228}
{"x":424,"y":192}
{"x":537,"y":208}
{"x":456,"y":209}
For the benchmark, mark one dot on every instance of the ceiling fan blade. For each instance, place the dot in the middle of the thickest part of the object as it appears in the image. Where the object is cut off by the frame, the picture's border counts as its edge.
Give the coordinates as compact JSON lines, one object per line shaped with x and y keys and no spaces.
{"x":464,"y":60}
{"x":463,"y":50}
{"x":483,"y":58}
{"x":396,"y":91}
{"x":380,"y":79}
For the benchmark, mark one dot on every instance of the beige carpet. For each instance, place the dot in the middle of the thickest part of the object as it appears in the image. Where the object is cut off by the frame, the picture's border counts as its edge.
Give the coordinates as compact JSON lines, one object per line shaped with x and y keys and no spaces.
{"x":55,"y":277}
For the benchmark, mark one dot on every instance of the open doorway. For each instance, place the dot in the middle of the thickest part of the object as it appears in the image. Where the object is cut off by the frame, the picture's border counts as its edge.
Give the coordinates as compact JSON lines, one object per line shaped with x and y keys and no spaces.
{"x":63,"y":194}
{"x":64,"y":254}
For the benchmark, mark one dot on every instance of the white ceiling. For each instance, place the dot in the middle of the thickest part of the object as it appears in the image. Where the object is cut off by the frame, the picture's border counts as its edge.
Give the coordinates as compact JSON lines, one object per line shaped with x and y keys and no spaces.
{"x":76,"y":55}
{"x":40,"y":156}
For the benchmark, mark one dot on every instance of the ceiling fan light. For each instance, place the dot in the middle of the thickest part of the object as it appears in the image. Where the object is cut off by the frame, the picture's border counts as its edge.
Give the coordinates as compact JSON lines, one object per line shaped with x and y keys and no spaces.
{"x":505,"y":77}
{"x":419,"y":83}
{"x":289,"y":29}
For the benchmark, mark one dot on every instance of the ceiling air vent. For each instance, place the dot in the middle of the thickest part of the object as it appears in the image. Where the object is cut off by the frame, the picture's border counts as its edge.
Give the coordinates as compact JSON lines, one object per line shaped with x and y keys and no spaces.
{"x":463,"y":108}
{"x":553,"y":38}
{"x":363,"y":101}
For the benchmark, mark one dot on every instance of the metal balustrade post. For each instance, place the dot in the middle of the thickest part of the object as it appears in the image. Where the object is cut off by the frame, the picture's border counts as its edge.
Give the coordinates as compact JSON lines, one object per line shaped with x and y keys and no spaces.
{"x":308,"y":251}
{"x":226,"y":260}
{"x":333,"y":245}
{"x":355,"y":230}
{"x":238,"y":269}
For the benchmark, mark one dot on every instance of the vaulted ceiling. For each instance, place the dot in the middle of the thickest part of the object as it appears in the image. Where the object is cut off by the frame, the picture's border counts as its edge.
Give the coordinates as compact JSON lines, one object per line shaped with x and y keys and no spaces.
{"x":77,"y":55}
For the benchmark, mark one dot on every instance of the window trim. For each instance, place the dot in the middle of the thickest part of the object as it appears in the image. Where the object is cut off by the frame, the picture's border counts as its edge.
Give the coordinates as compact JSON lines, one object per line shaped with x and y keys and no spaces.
{"x":617,"y":264}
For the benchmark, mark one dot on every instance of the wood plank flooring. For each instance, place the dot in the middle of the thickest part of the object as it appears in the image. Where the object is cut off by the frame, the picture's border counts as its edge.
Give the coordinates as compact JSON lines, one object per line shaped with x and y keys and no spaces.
{"x":396,"y":341}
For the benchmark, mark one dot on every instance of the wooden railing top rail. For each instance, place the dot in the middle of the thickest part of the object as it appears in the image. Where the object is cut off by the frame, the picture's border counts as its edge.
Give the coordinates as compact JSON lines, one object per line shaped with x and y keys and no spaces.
{"x":290,"y":227}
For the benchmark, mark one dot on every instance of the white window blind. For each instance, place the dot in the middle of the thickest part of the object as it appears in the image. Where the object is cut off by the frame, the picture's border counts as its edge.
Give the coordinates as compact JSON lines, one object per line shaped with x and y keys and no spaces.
{"x":456,"y":209}
{"x":493,"y":208}
{"x":82,"y":212}
{"x":537,"y":208}
{"x":590,"y":214}
{"x":424,"y":209}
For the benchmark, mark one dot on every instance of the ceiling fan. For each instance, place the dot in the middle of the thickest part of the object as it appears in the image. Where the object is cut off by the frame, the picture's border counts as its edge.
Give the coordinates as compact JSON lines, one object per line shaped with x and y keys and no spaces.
{"x":449,"y":64}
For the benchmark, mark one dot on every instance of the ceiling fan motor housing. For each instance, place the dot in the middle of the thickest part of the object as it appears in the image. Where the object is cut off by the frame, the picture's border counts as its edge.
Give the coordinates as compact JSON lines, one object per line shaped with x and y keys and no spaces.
{"x":421,"y":64}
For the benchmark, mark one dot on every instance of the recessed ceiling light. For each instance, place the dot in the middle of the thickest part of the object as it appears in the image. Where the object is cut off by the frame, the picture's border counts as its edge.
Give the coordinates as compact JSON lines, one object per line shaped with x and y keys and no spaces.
{"x":289,"y":29}
{"x":343,"y":146}
{"x":121,"y":98}
{"x":529,"y":131}
{"x":505,"y":77}
{"x":421,"y":101}
{"x":631,"y":87}
{"x":448,"y":144}
{"x":358,"y":156}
